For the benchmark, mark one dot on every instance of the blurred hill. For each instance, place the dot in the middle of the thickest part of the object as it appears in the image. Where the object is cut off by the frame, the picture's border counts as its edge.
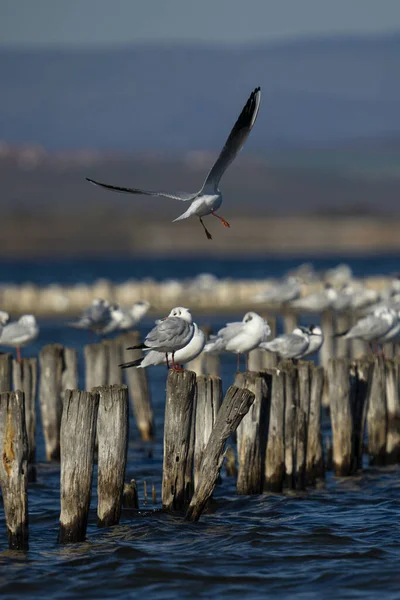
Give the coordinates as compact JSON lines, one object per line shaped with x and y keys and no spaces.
{"x":153,"y":98}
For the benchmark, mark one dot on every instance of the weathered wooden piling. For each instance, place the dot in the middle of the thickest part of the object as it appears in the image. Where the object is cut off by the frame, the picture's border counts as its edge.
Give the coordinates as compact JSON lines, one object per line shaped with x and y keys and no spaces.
{"x":275,"y":457}
{"x":69,"y":378}
{"x":208,"y":402}
{"x":13,"y":468}
{"x":393,"y":412}
{"x":51,"y":362}
{"x":78,"y":434}
{"x":343,"y":323}
{"x":112,"y":435}
{"x":114,"y":358}
{"x":290,"y":320}
{"x":212,"y":364}
{"x":130,"y":497}
{"x":256,"y":360}
{"x":291,"y":401}
{"x":252,"y":433}
{"x":138,"y":386}
{"x":235,"y":406}
{"x":314,"y":456}
{"x":377,"y":415}
{"x":341,"y":416}
{"x":25,"y":379}
{"x":302,"y":416}
{"x":5,"y":372}
{"x":362,"y":377}
{"x":327,"y":351}
{"x":96,"y":365}
{"x":180,"y":396}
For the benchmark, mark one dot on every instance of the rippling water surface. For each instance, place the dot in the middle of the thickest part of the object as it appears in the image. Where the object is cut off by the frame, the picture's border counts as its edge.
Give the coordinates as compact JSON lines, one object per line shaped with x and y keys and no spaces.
{"x":340,"y":540}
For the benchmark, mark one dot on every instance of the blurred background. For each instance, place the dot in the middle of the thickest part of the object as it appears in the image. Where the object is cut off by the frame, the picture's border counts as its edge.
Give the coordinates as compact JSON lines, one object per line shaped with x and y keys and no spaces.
{"x":145,"y":93}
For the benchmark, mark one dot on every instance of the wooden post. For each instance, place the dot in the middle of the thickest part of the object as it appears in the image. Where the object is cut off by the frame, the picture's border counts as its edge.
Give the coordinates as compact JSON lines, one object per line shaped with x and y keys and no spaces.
{"x":315,"y":458}
{"x":256,"y":360}
{"x":51,"y":362}
{"x":78,"y":434}
{"x":208,"y":402}
{"x":302,"y":416}
{"x":343,"y":323}
{"x":114,"y":358}
{"x":252,"y":434}
{"x":275,"y":457}
{"x":212,"y":364}
{"x":130,"y":497}
{"x":96,"y":366}
{"x":289,"y":321}
{"x":13,"y":468}
{"x":234,"y":407}
{"x":69,"y":379}
{"x":25,"y":379}
{"x":138,"y":387}
{"x":363,"y":369}
{"x":377,"y":415}
{"x":341,"y":416}
{"x":327,"y":351}
{"x":393,"y":412}
{"x":181,"y":389}
{"x":5,"y":372}
{"x":112,"y":434}
{"x":290,"y":417}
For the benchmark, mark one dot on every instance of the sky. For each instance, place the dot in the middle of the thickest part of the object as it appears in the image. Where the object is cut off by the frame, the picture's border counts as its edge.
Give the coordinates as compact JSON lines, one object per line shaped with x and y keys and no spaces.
{"x":111,"y":22}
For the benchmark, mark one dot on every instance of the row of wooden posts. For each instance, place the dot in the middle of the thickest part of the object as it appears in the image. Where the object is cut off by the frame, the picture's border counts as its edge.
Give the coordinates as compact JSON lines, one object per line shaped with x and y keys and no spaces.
{"x":276,"y":413}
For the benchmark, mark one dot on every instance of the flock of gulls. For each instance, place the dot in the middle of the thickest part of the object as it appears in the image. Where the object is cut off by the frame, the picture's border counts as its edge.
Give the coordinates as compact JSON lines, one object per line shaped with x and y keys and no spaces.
{"x":176,"y":339}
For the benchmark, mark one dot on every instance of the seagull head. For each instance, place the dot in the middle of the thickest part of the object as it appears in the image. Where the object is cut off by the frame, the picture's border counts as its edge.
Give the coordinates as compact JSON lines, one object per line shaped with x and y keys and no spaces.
{"x":182,"y":313}
{"x":27,"y":321}
{"x":4,"y":317}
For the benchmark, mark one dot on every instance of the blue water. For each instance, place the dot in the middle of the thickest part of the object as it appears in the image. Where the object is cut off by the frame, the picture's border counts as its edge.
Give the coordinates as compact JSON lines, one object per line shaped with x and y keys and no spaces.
{"x":340,"y":540}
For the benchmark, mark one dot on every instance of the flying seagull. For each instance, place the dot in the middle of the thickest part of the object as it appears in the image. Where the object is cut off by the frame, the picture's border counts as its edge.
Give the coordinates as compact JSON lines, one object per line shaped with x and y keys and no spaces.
{"x":208,"y":200}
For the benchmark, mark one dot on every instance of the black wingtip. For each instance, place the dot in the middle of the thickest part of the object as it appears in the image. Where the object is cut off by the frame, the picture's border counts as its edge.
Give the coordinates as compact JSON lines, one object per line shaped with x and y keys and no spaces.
{"x":139,"y":347}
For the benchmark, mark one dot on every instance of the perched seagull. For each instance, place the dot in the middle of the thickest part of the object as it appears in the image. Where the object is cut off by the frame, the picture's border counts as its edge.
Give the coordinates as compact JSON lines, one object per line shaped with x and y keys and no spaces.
{"x":4,"y":318}
{"x":240,"y":337}
{"x":372,"y":327}
{"x":181,"y":357}
{"x":95,"y":317}
{"x":170,"y":335}
{"x":20,"y":333}
{"x":282,"y":292}
{"x":116,"y":316}
{"x":316,"y":339}
{"x":289,"y":345}
{"x":133,"y":315}
{"x":393,"y":335}
{"x":208,"y":200}
{"x":318,"y":302}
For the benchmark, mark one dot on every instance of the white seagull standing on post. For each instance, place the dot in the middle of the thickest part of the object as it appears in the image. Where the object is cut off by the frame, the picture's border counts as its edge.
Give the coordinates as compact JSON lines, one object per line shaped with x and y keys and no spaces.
{"x":209,"y":199}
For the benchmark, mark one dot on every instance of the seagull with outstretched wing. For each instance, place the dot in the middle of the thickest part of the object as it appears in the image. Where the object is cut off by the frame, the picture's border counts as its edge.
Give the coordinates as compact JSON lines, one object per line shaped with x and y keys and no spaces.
{"x":209,"y":199}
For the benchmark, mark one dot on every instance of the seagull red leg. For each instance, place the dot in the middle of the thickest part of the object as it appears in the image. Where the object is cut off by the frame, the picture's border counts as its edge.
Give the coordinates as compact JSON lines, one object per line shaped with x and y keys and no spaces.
{"x":18,"y":354}
{"x":224,"y":223}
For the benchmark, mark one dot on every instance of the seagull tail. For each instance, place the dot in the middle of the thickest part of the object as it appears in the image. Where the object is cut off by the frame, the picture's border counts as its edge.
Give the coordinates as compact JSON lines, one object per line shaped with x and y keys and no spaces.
{"x":341,"y":334}
{"x":138,"y":347}
{"x":133,"y":363}
{"x":188,"y":213}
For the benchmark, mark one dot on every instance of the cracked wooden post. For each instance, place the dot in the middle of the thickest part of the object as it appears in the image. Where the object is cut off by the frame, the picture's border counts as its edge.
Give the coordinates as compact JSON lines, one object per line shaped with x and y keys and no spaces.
{"x":393,"y":412}
{"x":13,"y":468}
{"x":377,"y":415}
{"x":51,"y":363}
{"x":5,"y":372}
{"x":340,"y":401}
{"x":78,"y":434}
{"x":113,"y":360}
{"x":327,"y":351}
{"x":256,"y":360}
{"x":302,"y":416}
{"x":363,"y":369}
{"x":252,"y":433}
{"x":130,"y":497}
{"x":234,"y":407}
{"x":138,"y":386}
{"x":96,"y":365}
{"x":208,"y":402}
{"x":291,"y":402}
{"x":181,"y":389}
{"x":25,"y":379}
{"x":343,"y":323}
{"x":69,"y":378}
{"x":314,"y":459}
{"x":275,"y":457}
{"x":112,"y":434}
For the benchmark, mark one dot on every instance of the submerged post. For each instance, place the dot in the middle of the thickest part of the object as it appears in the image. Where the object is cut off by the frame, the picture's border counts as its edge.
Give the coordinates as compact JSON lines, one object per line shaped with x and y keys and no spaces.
{"x":393,"y":412}
{"x":114,"y":358}
{"x":69,"y":379}
{"x":112,"y":434}
{"x":377,"y":415}
{"x":78,"y":434}
{"x":138,"y":386}
{"x":13,"y":468}
{"x":234,"y":407}
{"x":181,"y":389}
{"x":96,"y":365}
{"x":291,"y":384}
{"x":314,"y":458}
{"x":275,"y":457}
{"x":341,"y":416}
{"x":51,"y":362}
{"x":302,"y":416}
{"x":25,"y":379}
{"x":252,"y":433}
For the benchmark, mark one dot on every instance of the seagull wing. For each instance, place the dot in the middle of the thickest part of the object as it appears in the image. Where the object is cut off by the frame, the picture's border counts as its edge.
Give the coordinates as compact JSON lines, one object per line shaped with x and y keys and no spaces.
{"x":235,"y":141}
{"x":168,"y":333}
{"x":182,"y":196}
